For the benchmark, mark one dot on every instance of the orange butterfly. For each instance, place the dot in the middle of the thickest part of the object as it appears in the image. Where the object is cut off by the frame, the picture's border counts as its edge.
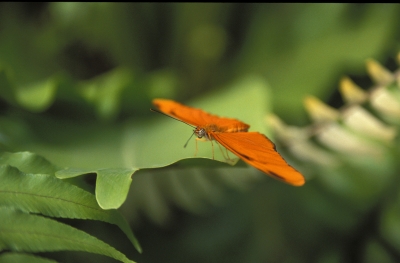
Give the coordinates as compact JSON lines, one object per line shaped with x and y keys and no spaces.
{"x":252,"y":147}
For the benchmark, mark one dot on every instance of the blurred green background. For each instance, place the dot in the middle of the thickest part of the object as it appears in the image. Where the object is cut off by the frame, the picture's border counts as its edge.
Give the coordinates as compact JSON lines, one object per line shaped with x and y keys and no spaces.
{"x":76,"y":84}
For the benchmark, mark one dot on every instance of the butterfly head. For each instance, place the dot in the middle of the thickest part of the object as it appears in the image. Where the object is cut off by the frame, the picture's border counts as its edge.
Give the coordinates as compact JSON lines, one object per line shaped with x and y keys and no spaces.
{"x":200,"y":132}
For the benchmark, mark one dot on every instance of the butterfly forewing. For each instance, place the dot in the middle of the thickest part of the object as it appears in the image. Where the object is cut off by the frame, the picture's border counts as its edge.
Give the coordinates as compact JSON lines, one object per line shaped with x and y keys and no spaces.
{"x":197,"y":117}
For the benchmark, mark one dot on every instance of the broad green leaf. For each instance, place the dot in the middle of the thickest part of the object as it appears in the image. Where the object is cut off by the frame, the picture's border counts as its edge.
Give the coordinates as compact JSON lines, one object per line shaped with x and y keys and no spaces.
{"x":112,"y":185}
{"x":45,"y":194}
{"x":28,"y":162}
{"x":11,"y":257}
{"x":32,"y":233}
{"x":160,"y":142}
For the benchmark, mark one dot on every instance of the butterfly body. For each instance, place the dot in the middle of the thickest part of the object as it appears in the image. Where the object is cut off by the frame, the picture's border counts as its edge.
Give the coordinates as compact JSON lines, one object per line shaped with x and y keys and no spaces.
{"x":209,"y":129}
{"x":252,"y":147}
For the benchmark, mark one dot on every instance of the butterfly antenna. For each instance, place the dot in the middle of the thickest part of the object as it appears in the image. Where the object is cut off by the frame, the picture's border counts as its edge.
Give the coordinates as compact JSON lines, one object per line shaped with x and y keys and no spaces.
{"x":184,"y":146}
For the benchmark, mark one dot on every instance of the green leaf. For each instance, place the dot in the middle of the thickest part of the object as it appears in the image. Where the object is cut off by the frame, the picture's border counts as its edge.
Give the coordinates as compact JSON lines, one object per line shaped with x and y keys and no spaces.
{"x":20,"y":257}
{"x":112,"y":185}
{"x":160,"y":142}
{"x":144,"y":145}
{"x":28,"y":162}
{"x":42,"y":193}
{"x":32,"y":233}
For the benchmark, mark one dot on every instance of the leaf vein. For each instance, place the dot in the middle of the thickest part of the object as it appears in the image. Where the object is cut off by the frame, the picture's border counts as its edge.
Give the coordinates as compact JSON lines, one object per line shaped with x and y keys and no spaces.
{"x":51,"y":197}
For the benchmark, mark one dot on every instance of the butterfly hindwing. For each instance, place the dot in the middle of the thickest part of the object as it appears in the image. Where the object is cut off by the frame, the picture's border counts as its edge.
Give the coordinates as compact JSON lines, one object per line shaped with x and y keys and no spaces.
{"x":258,"y":151}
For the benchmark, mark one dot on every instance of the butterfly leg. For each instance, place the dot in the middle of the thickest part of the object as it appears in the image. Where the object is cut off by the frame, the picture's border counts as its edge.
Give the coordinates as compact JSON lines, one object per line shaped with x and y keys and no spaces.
{"x":205,"y":140}
{"x":227,"y":154}
{"x":212,"y":148}
{"x":227,"y":158}
{"x":197,"y":139}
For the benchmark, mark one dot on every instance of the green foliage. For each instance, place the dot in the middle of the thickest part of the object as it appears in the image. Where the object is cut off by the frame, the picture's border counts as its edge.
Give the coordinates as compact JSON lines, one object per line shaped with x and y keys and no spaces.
{"x":76,"y":84}
{"x":42,"y":193}
{"x":27,"y":232}
{"x":20,"y":257}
